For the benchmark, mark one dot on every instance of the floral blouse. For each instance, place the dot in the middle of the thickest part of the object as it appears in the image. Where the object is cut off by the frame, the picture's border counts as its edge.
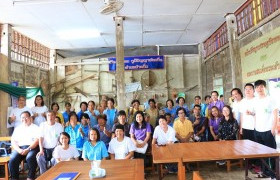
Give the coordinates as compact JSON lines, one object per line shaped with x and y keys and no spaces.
{"x":228,"y":130}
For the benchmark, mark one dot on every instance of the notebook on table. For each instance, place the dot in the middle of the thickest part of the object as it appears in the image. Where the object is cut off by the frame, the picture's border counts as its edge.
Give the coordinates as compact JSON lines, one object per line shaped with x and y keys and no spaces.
{"x":67,"y":176}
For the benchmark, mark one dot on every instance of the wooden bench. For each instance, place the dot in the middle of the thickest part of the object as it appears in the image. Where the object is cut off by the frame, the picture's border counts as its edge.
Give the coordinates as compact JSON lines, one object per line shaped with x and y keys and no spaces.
{"x":5,"y":160}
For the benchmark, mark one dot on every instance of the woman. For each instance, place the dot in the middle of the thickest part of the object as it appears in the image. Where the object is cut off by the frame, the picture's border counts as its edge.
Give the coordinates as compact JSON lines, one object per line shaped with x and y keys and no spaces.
{"x":92,"y":113}
{"x":181,"y":103}
{"x":104,"y":129}
{"x":121,"y":147}
{"x":228,"y":126}
{"x":102,"y":106}
{"x":135,"y":106}
{"x":215,"y":119}
{"x":110,"y":112}
{"x":64,"y":151}
{"x":163,"y":134}
{"x":94,"y":149}
{"x":140,"y":132}
{"x":153,"y":112}
{"x":73,"y":129}
{"x":84,"y":128}
{"x":55,"y":108}
{"x":39,"y":110}
{"x":170,"y":108}
{"x":215,"y":102}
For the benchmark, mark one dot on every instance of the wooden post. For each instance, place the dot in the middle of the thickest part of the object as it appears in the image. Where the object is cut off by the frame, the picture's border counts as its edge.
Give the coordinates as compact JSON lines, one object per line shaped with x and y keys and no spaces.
{"x":120,"y":63}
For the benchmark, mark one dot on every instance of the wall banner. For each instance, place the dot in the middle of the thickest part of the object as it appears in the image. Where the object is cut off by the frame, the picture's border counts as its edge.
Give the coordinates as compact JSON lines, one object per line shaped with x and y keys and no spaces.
{"x":139,"y":63}
{"x":261,"y":58}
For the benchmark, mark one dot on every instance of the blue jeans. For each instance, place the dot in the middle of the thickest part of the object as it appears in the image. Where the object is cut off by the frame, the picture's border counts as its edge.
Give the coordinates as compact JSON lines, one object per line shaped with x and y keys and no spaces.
{"x":16,"y":158}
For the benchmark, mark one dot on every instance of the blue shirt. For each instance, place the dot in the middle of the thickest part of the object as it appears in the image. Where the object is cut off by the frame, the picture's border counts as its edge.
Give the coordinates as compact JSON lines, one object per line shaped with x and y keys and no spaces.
{"x":97,"y":152}
{"x":65,"y":116}
{"x":93,"y":120}
{"x":111,"y":115}
{"x":76,"y":138}
{"x":103,"y":136}
{"x":80,"y":115}
{"x":85,"y":130}
{"x":202,"y":110}
{"x":185,"y":107}
{"x":171,"y":111}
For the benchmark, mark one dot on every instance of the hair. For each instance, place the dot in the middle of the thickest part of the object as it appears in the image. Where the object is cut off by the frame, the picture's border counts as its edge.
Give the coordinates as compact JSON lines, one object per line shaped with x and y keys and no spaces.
{"x":50,"y":111}
{"x":119,"y":126}
{"x":170,"y":101}
{"x":207,"y":96}
{"x":112,"y":100}
{"x":238,"y":91}
{"x":136,"y":124}
{"x":214,"y":92}
{"x":219,"y":114}
{"x":179,"y":99}
{"x":91,"y":102}
{"x":151,"y":100}
{"x":67,"y":104}
{"x":25,"y":112}
{"x":42,"y":103}
{"x":73,"y":114}
{"x":179,"y":109}
{"x":197,"y":106}
{"x":54,"y":103}
{"x":134,"y":101}
{"x":221,"y":96}
{"x":85,"y":103}
{"x":84,"y":115}
{"x":59,"y":120}
{"x":231,"y":118}
{"x":249,"y":84}
{"x":102,"y":116}
{"x":162,"y":117}
{"x":121,"y":113}
{"x":167,"y":114}
{"x":97,"y":132}
{"x":197,"y":97}
{"x":260,"y":82}
{"x":21,"y":96}
{"x":64,"y":134}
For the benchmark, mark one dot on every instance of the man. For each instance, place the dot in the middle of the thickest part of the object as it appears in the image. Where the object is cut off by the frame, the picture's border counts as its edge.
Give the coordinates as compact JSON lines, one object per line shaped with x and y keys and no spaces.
{"x":183,"y":126}
{"x":236,"y":105}
{"x":25,"y":145}
{"x":122,"y":121}
{"x":266,"y":115}
{"x":49,"y":133}
{"x":14,"y":117}
{"x":197,"y":101}
{"x":199,"y":124}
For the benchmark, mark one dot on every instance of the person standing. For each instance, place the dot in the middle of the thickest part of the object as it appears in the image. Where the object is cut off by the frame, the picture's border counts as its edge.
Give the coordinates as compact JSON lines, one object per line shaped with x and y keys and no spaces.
{"x":215,"y":102}
{"x":39,"y":110}
{"x":236,"y":105}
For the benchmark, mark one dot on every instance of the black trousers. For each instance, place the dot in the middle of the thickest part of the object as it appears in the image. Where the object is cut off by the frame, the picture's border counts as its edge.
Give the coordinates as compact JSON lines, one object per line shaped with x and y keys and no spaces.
{"x":248,"y":134}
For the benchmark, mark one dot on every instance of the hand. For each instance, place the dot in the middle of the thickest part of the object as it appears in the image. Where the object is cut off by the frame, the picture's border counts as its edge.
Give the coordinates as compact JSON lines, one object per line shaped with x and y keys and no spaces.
{"x":241,"y":131}
{"x":13,"y":118}
{"x":92,"y":113}
{"x":80,"y":130}
{"x":102,"y":128}
{"x":24,"y":152}
{"x":40,"y":153}
{"x":35,"y":114}
{"x":273,"y":131}
{"x":215,"y":137}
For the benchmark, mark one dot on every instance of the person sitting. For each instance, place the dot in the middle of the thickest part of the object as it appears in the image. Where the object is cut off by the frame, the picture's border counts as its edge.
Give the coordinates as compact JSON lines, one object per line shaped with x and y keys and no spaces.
{"x":92,"y":113}
{"x":55,"y":108}
{"x":163,"y":134}
{"x":214,"y":123}
{"x":94,"y":148}
{"x":121,"y":147}
{"x":181,"y":104}
{"x":152,"y":111}
{"x":197,"y":101}
{"x":66,"y":113}
{"x":39,"y":110}
{"x":169,"y":119}
{"x":199,"y":124}
{"x":84,"y":128}
{"x":135,"y":106}
{"x":110,"y":112}
{"x":64,"y":151}
{"x":228,"y":126}
{"x":104,"y":129}
{"x":83,"y":107}
{"x":183,"y":126}
{"x":49,"y":130}
{"x":170,"y":108}
{"x":24,"y":142}
{"x":122,"y":121}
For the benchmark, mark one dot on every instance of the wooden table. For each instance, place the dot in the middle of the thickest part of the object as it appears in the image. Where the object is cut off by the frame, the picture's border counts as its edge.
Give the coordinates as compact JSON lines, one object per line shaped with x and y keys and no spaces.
{"x":213,"y":151}
{"x":115,"y":169}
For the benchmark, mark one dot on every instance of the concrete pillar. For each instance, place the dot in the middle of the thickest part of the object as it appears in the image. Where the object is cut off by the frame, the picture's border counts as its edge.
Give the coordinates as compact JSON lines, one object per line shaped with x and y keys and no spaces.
{"x":120,"y":63}
{"x":5,"y":57}
{"x":52,"y":72}
{"x":234,"y":51}
{"x":200,"y":74}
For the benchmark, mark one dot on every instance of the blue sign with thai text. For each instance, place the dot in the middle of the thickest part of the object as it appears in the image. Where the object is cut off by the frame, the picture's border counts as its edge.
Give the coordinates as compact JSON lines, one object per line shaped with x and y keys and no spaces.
{"x":139,"y":63}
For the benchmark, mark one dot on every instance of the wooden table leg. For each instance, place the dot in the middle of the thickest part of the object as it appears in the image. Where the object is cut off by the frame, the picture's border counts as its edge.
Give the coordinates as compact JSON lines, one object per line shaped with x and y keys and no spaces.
{"x":181,"y":170}
{"x":6,"y":171}
{"x":246,"y":168}
{"x":160,"y":176}
{"x":277,"y":167}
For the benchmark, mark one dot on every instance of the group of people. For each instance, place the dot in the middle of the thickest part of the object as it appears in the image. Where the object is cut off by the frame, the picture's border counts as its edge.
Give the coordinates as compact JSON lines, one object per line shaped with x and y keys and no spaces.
{"x":46,"y":137}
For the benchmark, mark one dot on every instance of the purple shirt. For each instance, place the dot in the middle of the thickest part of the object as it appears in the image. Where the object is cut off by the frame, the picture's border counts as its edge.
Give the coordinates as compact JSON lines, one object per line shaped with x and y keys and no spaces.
{"x":215,"y":124}
{"x":219,"y":104}
{"x":140,"y":134}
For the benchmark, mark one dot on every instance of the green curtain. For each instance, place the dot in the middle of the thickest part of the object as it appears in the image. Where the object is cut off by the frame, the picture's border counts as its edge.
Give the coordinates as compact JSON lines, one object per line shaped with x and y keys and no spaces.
{"x":17,"y":91}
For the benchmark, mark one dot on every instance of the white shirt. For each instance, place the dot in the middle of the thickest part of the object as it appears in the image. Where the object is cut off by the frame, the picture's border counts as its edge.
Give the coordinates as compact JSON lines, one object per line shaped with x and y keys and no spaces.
{"x":236,"y":110}
{"x":25,"y":135}
{"x":121,"y":149}
{"x":162,"y":137}
{"x":50,"y":134}
{"x":63,"y":155}
{"x":17,"y":112}
{"x":263,"y":109}
{"x":39,"y":110}
{"x":248,"y":120}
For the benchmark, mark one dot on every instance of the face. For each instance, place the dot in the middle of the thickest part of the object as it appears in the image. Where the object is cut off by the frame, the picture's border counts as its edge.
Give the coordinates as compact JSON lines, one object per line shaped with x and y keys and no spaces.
{"x":93,"y":135}
{"x":235,"y":95}
{"x":73,"y":121}
{"x":84,"y":121}
{"x":260,"y":90}
{"x":91,"y":106}
{"x":119,"y":133}
{"x":147,"y":118}
{"x":249,"y":91}
{"x":103,"y":103}
{"x":64,"y":140}
{"x":50,"y":118}
{"x":168,"y":119}
{"x":136,"y":105}
{"x":197,"y":101}
{"x":21,"y":102}
{"x":25,"y":119}
{"x":139,"y":118}
{"x":181,"y":114}
{"x":226,"y":111}
{"x":55,"y":108}
{"x":101,"y":122}
{"x":152,"y":104}
{"x":57,"y":120}
{"x":67,"y":107}
{"x":207,"y":101}
{"x":162,"y":123}
{"x":121,"y":119}
{"x":110,"y":104}
{"x":38,"y":101}
{"x":215,"y":112}
{"x":196,"y":110}
{"x":214,"y":96}
{"x":181,"y":101}
{"x":169,"y":104}
{"x":83,"y":107}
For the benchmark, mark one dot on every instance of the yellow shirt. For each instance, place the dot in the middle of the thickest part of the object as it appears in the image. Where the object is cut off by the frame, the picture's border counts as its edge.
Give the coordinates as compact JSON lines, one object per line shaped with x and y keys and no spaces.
{"x":153,"y":116}
{"x":183,"y":128}
{"x":61,"y":117}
